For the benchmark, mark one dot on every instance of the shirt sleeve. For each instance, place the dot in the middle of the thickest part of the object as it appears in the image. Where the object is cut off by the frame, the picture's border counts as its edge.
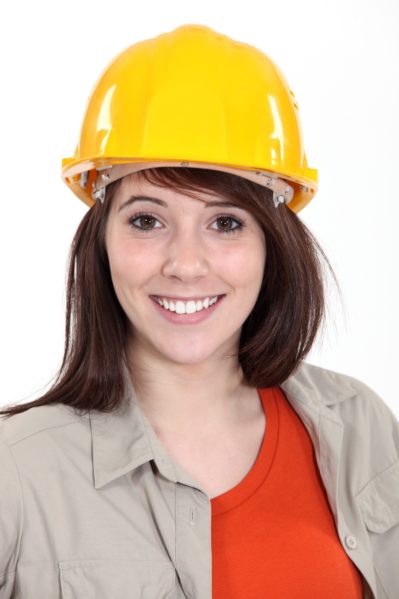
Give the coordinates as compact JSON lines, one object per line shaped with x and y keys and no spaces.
{"x":11,"y":513}
{"x":378,"y":501}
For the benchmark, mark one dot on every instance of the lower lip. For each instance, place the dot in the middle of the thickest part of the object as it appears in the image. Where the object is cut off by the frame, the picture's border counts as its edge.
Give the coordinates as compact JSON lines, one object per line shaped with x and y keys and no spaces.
{"x":187,"y":318}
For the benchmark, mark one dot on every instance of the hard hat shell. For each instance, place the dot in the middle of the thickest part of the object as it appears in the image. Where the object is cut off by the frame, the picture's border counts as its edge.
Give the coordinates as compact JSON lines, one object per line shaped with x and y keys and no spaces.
{"x":194,"y":97}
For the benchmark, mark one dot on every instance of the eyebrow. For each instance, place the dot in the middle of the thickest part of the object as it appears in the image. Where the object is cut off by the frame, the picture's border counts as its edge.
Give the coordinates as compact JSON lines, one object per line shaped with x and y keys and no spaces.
{"x":137,"y":198}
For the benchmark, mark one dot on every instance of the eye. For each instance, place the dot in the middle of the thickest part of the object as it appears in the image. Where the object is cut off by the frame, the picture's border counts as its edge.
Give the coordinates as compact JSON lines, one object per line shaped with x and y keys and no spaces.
{"x":145,"y":221}
{"x":225,"y":220}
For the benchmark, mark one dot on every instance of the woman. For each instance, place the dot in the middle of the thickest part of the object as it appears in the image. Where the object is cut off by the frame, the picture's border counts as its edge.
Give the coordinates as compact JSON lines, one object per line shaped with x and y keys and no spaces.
{"x":186,"y":449}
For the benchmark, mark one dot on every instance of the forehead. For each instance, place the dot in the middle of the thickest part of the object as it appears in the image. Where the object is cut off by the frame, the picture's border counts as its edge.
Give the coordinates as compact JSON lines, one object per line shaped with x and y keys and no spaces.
{"x":137,"y":186}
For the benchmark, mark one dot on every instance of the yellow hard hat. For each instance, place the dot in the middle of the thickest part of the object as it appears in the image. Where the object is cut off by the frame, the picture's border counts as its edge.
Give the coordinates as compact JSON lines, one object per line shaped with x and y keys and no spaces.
{"x":192,"y":97}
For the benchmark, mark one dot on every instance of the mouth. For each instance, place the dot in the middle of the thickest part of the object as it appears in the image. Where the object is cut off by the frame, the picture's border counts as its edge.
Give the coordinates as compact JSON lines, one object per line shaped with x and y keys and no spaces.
{"x":189,"y":311}
{"x":186,"y":305}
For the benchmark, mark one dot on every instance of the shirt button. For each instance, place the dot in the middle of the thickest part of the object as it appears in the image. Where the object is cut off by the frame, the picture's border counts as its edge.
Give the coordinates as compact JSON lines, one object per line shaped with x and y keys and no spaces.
{"x":350,"y":542}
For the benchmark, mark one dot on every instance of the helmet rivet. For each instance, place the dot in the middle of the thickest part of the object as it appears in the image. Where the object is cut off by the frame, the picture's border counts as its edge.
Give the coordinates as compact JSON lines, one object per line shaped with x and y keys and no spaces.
{"x":99,"y":194}
{"x":278,"y":199}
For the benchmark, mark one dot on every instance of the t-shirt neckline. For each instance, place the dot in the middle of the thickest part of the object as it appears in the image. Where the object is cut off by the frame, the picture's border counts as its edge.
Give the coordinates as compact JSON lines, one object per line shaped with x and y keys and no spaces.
{"x":263,"y":463}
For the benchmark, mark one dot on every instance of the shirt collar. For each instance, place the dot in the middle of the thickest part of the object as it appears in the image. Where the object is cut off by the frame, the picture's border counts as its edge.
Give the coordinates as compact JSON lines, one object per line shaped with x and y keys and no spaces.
{"x":316,"y":386}
{"x":124,"y":439}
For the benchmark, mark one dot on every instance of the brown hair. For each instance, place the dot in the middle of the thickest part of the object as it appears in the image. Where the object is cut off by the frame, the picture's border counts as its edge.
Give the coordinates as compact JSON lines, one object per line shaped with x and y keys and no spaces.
{"x":275,"y":338}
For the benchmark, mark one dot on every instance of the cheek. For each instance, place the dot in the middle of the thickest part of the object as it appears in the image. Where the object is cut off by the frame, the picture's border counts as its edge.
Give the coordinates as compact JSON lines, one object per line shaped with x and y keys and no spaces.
{"x":243,"y":266}
{"x":128,"y":263}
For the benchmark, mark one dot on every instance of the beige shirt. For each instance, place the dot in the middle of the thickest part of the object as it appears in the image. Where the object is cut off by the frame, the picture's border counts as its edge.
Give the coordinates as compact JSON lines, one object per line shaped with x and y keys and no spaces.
{"x":93,"y":507}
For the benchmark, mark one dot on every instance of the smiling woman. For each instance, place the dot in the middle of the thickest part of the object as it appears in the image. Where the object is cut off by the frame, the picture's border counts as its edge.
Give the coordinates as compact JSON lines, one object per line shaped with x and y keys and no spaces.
{"x":185,"y":439}
{"x":184,"y":254}
{"x":183,"y":258}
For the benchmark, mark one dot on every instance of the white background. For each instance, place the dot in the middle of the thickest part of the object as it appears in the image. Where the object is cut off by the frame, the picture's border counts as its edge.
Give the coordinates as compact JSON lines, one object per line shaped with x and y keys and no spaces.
{"x":340,"y":58}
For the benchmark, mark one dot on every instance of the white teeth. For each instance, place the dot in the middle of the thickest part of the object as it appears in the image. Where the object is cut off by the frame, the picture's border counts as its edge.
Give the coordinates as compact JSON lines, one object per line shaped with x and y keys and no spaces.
{"x":185,"y":307}
{"x":189,"y":307}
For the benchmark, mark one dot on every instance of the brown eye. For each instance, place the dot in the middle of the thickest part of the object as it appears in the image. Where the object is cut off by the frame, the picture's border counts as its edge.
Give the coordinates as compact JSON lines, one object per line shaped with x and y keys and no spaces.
{"x":225,"y":222}
{"x":145,"y":220}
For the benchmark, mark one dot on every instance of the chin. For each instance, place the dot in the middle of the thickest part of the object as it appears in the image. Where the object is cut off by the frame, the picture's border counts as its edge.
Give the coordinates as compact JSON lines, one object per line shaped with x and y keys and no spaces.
{"x":188,"y":358}
{"x":189,"y":354}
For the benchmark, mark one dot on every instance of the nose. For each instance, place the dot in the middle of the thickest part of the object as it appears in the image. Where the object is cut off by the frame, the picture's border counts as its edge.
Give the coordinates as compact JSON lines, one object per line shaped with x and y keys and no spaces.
{"x":186,"y":257}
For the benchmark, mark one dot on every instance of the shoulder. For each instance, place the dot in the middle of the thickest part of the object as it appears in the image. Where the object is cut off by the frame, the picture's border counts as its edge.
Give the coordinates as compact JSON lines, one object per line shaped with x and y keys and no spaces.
{"x":36,"y":420}
{"x":331,"y":388}
{"x":368,"y":421}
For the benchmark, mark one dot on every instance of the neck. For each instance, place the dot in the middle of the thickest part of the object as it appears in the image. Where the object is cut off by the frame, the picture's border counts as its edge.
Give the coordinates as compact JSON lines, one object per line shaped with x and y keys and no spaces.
{"x":188,"y":397}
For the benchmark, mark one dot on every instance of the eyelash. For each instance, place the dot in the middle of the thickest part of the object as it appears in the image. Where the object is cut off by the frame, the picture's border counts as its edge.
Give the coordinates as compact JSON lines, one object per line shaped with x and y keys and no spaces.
{"x":139,"y":215}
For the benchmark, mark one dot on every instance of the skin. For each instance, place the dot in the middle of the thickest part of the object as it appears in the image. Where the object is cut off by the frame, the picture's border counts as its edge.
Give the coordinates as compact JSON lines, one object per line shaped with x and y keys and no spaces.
{"x":187,"y":378}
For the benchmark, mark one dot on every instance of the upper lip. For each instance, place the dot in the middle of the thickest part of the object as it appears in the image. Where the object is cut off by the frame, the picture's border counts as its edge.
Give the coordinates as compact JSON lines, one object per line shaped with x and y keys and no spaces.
{"x":187,"y":299}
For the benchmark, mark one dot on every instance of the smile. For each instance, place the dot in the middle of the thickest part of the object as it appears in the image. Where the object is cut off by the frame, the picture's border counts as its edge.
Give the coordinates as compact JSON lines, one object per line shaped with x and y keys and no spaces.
{"x":186,"y":312}
{"x":186,"y":307}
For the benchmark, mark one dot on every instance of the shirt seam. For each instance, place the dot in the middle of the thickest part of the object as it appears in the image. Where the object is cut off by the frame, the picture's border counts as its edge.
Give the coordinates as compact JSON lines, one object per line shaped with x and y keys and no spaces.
{"x":27,"y":436}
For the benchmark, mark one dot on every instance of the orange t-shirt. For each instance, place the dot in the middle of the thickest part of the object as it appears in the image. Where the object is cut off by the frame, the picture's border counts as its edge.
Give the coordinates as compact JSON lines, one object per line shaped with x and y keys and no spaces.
{"x":273,"y":534}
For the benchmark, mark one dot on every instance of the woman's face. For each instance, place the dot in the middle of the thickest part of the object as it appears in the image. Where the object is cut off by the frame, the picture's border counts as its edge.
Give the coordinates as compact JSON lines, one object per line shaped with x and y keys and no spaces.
{"x":165,"y":244}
